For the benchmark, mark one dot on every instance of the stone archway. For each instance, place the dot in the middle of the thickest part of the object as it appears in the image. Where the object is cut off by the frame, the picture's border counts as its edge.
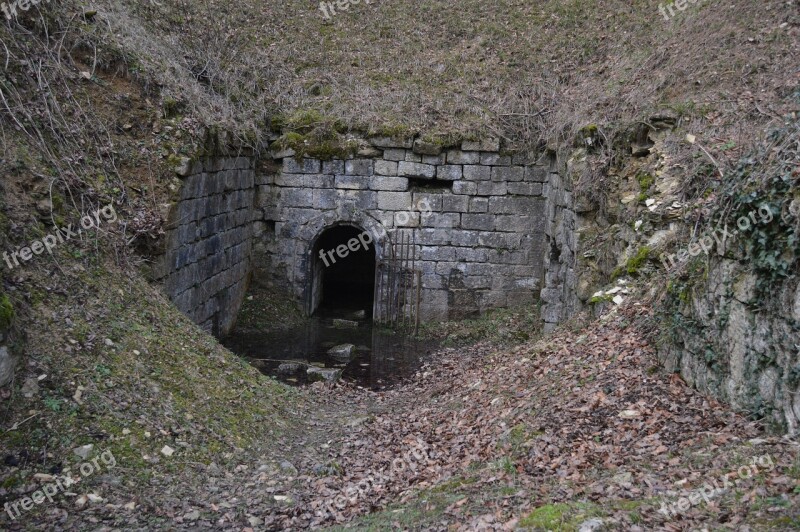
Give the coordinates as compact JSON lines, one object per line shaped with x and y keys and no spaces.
{"x":341,"y":261}
{"x":342,"y":276}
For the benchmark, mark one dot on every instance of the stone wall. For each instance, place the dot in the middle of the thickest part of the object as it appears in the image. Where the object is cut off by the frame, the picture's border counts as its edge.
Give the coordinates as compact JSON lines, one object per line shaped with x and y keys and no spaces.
{"x":206,"y":265}
{"x":479,"y":218}
{"x":739,"y":347}
{"x":559,"y":301}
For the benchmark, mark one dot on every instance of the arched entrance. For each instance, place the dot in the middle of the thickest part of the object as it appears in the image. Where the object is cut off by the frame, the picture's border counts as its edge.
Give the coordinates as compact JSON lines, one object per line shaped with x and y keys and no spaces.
{"x":343,"y":262}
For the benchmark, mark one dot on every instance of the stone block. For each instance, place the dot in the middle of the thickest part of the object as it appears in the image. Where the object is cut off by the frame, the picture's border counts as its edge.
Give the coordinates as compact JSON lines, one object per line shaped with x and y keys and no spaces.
{"x":394,"y":201}
{"x":465,"y":187}
{"x":358,"y":167}
{"x":442,"y":220}
{"x":513,"y":223}
{"x":437,"y":237}
{"x":360,"y":199}
{"x":519,"y":298}
{"x":536,"y":174}
{"x":319,"y":181}
{"x":434,"y":305}
{"x":434,"y":159}
{"x":406,"y":219}
{"x":491,"y":188}
{"x":391,"y":142}
{"x":352,"y":182}
{"x":428,"y":201}
{"x":508,"y":173}
{"x":513,"y":205}
{"x":481,"y":222}
{"x":409,"y":169}
{"x":389,"y":183}
{"x":495,"y":159}
{"x":477,"y":173}
{"x":486,"y":144}
{"x":448,"y":172}
{"x":394,"y":154}
{"x":387,"y":168}
{"x":478,"y":205}
{"x":334,"y":167}
{"x":324,"y":199}
{"x":423,"y":147}
{"x":438,"y":253}
{"x":499,"y":240}
{"x":525,"y":189}
{"x":464,"y":238}
{"x":471,"y":254}
{"x":413,"y":157}
{"x":290,"y":180}
{"x":304,"y":166}
{"x":492,"y":299}
{"x":455,"y":203}
{"x":463,"y":157}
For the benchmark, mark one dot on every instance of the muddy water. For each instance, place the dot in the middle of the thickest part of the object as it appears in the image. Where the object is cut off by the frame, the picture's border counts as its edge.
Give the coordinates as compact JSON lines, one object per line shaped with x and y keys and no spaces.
{"x":381,"y":357}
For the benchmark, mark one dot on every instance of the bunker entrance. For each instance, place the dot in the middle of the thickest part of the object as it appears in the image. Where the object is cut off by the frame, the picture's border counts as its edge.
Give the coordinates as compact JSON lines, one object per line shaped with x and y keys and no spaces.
{"x":343,"y":276}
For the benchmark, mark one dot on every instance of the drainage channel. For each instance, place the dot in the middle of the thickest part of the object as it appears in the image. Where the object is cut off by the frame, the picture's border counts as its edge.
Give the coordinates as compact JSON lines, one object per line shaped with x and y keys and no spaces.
{"x":325,"y":347}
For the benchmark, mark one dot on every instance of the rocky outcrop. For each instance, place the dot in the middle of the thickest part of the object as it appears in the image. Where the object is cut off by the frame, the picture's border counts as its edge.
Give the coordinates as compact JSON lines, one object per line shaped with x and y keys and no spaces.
{"x":727,"y":342}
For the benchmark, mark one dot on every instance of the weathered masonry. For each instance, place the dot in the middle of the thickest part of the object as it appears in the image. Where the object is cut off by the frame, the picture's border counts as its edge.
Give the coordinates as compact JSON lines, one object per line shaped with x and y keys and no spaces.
{"x":490,"y":229}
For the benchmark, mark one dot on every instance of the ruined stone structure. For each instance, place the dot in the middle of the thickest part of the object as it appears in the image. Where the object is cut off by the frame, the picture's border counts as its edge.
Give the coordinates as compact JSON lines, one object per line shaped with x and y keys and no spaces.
{"x":208,"y":246}
{"x":491,"y":229}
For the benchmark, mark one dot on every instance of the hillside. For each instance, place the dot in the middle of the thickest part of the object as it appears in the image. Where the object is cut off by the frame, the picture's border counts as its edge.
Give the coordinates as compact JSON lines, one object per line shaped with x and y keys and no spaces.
{"x":662,"y":126}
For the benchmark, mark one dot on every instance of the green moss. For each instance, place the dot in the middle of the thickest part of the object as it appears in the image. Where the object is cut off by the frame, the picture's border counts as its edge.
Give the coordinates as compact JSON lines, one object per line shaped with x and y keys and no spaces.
{"x":548,"y":517}
{"x":600,"y":299}
{"x":634,"y":264}
{"x":6,"y":312}
{"x":646,"y":181}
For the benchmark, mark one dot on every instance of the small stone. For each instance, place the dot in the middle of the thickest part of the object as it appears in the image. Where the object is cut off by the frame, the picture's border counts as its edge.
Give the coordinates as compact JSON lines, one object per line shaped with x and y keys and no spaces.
{"x":78,"y":395}
{"x":343,"y":352}
{"x":30,"y":387}
{"x":81,"y":501}
{"x":137,"y":353}
{"x":183,"y":167}
{"x":289,"y":368}
{"x":330,"y":375}
{"x":194,"y":515}
{"x":83,"y":451}
{"x":125,"y":432}
{"x":592,"y":525}
{"x":345,"y":324}
{"x":629,"y":414}
{"x":109,"y":342}
{"x":167,"y":451}
{"x":94,"y":497}
{"x":43,"y":477}
{"x":130,"y":506}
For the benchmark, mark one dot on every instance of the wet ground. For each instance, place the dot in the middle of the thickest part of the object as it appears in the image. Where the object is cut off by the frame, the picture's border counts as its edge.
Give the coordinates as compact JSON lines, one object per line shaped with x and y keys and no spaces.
{"x":380,"y":357}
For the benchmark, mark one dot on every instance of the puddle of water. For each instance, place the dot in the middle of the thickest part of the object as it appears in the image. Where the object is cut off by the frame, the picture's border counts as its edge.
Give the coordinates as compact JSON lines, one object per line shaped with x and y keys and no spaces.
{"x":381,"y":357}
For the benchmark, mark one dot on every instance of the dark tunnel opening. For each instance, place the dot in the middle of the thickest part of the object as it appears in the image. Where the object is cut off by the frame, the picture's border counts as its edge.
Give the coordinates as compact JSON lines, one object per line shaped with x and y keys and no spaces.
{"x":344,"y":276}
